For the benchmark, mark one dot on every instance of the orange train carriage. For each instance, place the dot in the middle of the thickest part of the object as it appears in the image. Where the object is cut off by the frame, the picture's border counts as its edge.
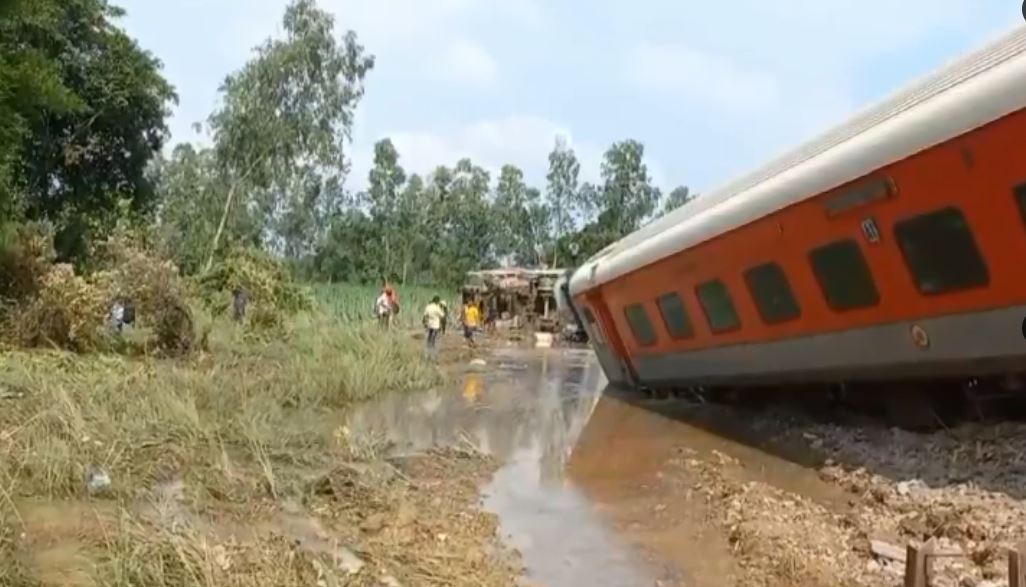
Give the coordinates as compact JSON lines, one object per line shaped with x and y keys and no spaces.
{"x":893,"y":246}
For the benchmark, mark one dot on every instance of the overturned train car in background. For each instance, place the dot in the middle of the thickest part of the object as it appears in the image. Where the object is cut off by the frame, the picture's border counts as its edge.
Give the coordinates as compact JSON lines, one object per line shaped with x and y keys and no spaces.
{"x":890,"y":248}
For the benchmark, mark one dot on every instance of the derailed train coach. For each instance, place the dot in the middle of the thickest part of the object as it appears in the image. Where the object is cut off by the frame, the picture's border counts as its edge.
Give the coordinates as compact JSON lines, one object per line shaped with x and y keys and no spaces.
{"x":891,"y":247}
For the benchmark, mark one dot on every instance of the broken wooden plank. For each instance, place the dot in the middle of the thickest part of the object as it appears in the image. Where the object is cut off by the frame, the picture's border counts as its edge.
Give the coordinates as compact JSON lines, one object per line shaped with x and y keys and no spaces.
{"x":886,"y":550}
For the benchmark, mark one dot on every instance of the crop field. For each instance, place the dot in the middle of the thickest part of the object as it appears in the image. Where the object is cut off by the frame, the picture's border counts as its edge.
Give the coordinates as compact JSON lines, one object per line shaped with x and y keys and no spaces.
{"x":354,"y":303}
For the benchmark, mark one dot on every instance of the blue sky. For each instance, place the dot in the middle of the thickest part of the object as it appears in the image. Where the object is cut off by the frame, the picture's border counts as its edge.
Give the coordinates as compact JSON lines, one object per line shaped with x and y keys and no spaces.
{"x":711,"y":88}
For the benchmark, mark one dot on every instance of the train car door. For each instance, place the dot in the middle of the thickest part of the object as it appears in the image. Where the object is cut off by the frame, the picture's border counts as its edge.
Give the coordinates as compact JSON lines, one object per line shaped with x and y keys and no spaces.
{"x":607,"y":329}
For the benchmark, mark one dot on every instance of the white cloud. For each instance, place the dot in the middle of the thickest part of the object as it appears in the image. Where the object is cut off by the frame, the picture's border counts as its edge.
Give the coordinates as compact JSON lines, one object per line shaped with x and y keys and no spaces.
{"x":467,"y":62}
{"x":704,"y":76}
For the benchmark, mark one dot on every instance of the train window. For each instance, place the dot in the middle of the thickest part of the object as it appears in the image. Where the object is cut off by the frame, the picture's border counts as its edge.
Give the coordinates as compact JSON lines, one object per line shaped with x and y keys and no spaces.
{"x":640,"y":325}
{"x":844,"y":275}
{"x":718,"y":307}
{"x":941,"y":252}
{"x":595,"y":330}
{"x":1020,"y":198}
{"x":675,"y":316}
{"x":772,"y":293}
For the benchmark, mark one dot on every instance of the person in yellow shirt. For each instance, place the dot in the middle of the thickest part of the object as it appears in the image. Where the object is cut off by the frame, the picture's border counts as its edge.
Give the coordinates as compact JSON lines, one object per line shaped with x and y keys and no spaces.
{"x":471,"y":321}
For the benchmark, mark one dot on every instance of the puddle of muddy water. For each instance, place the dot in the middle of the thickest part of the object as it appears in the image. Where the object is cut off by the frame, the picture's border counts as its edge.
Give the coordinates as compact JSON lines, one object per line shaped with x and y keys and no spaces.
{"x":580,"y":491}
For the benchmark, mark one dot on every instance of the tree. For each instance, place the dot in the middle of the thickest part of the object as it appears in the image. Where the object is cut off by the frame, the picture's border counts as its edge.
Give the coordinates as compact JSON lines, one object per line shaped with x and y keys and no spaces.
{"x":413,"y":232}
{"x":83,"y":111}
{"x":465,"y":231}
{"x":342,"y":254}
{"x":191,"y":192}
{"x":677,"y":198}
{"x":627,"y":196}
{"x":563,"y":194}
{"x":386,"y":179}
{"x":511,"y":215}
{"x":537,"y":236}
{"x":283,"y":123}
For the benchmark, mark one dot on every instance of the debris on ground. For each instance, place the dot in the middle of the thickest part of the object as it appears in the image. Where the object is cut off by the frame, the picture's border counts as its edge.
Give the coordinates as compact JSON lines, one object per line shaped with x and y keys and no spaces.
{"x":961,"y":491}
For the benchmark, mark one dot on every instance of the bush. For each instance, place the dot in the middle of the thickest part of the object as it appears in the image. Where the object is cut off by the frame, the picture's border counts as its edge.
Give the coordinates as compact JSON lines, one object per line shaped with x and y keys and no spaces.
{"x":50,"y":305}
{"x":67,"y":312}
{"x":26,"y":255}
{"x":271,"y":292}
{"x":153,"y":284}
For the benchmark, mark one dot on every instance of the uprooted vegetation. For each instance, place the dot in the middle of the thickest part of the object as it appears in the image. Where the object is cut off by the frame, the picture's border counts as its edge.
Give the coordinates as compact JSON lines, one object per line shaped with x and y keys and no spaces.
{"x":271,"y":293}
{"x":50,"y":304}
{"x":46,"y":304}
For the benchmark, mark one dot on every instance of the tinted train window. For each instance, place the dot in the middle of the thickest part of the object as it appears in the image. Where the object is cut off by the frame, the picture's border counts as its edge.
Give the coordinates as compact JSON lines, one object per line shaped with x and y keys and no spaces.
{"x":595,"y":329}
{"x":941,"y":252}
{"x":675,"y":316}
{"x":1020,"y":198}
{"x":718,"y":307}
{"x":772,"y":293}
{"x":844,"y":276}
{"x":640,"y":325}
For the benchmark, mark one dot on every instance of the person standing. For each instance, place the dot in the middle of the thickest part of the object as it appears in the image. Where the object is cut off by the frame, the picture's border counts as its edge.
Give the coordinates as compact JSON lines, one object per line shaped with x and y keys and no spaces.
{"x":393,"y":303}
{"x":383,"y":310}
{"x":471,"y":321}
{"x":445,"y":315}
{"x":433,"y":315}
{"x":239,"y":301}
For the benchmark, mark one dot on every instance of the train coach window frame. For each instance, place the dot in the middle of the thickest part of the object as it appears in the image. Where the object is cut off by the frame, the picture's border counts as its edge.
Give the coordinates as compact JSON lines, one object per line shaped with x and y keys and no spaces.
{"x":1019,"y":192}
{"x":771,"y":291}
{"x":844,"y":276}
{"x":718,"y":306}
{"x":941,"y":252}
{"x":640,"y":324}
{"x":597,"y":335}
{"x":675,"y":316}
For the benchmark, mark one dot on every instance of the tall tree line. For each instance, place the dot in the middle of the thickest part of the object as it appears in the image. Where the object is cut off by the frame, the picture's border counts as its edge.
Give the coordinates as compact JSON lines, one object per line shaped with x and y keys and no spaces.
{"x":434,"y":229}
{"x":83,"y":125}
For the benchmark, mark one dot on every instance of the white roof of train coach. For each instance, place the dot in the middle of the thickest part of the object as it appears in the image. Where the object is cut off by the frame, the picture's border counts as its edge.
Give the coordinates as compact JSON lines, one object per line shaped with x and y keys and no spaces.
{"x":974,"y":90}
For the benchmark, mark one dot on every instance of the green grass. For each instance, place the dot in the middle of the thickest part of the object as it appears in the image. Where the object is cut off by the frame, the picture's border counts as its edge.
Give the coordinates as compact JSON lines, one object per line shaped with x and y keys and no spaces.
{"x":354,"y":303}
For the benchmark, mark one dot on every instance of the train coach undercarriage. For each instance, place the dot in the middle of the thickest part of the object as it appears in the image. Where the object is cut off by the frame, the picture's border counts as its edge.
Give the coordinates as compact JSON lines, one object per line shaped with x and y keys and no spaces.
{"x":914,"y":404}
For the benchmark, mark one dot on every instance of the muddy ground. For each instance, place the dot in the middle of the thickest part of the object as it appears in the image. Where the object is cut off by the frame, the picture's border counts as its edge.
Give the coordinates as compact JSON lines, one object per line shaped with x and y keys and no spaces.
{"x":777,"y":498}
{"x":587,"y":489}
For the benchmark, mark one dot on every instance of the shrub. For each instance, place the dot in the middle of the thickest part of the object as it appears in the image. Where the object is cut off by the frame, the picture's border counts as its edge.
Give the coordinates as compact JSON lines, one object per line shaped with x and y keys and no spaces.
{"x":26,"y":255}
{"x":272,"y":293}
{"x":67,"y":312}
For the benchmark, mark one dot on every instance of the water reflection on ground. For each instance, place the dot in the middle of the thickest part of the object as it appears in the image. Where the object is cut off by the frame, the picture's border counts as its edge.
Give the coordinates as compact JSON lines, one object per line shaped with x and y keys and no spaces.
{"x":528,"y":409}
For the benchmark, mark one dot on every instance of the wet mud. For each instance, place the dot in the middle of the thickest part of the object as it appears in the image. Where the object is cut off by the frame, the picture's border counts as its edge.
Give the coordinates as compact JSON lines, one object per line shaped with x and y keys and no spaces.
{"x":596,"y":486}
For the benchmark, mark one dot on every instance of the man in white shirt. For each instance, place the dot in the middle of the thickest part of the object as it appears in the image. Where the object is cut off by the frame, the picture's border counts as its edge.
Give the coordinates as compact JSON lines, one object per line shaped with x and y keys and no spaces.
{"x":383,"y":310}
{"x":433,"y":316}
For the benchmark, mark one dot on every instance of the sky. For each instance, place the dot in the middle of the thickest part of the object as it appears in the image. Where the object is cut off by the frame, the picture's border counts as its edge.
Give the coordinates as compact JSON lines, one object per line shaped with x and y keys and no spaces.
{"x":711,"y":88}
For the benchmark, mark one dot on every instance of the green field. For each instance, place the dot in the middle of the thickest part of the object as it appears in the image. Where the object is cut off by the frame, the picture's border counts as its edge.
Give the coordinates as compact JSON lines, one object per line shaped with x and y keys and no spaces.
{"x":354,"y":303}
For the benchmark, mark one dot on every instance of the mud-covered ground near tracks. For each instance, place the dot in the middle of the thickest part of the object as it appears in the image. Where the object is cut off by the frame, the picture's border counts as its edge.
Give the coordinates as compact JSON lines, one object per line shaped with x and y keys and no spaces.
{"x":962,"y":488}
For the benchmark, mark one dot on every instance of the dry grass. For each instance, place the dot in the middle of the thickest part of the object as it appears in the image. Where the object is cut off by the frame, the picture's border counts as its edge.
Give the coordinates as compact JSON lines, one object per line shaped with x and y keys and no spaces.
{"x":239,"y":426}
